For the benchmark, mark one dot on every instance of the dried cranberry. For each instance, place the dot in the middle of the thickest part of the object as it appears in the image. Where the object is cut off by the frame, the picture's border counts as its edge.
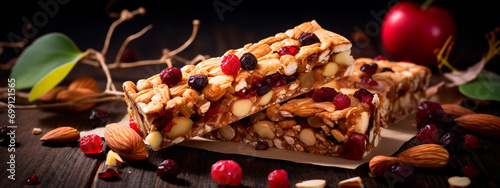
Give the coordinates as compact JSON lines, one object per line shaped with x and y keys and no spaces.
{"x":128,"y":55}
{"x":278,"y":179}
{"x":379,"y":58}
{"x":428,"y":134}
{"x":98,"y":118}
{"x":448,"y":140}
{"x":32,"y":180}
{"x":290,"y":79}
{"x":369,"y":69}
{"x":342,"y":101}
{"x":471,"y":142}
{"x":91,"y":144}
{"x":230,"y":64}
{"x":171,"y":76}
{"x":275,"y":80}
{"x":369,"y":82}
{"x":226,"y":172}
{"x":109,"y":174}
{"x":263,"y":90}
{"x":4,"y":136}
{"x":262,"y":145}
{"x":354,"y":148}
{"x":308,"y":38}
{"x":248,"y":61}
{"x":330,"y":93}
{"x":470,"y":171}
{"x":386,"y":69}
{"x":400,"y":170}
{"x":288,"y":50}
{"x":163,"y":118}
{"x":319,"y":96}
{"x":429,"y":113}
{"x":168,"y":169}
{"x":198,"y":82}
{"x":212,"y":112}
{"x":168,"y":127}
{"x":364,"y":96}
{"x":133,"y":125}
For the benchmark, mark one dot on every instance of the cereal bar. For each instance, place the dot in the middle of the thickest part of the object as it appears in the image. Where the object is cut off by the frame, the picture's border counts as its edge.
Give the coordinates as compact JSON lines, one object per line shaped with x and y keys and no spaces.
{"x":178,"y":104}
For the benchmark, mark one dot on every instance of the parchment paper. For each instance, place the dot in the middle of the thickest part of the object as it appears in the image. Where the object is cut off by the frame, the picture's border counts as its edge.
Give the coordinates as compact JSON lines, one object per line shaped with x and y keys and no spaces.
{"x":392,"y":139}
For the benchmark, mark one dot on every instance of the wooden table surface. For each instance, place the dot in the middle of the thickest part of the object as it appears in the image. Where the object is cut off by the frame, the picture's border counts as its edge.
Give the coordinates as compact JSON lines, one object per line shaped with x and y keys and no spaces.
{"x":64,"y":165}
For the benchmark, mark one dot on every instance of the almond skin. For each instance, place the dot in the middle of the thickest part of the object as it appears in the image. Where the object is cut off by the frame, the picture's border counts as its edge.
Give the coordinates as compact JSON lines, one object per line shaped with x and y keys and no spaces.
{"x":61,"y":135}
{"x":126,"y":142}
{"x":69,"y":95}
{"x":51,"y":95}
{"x":430,"y":156}
{"x":485,"y":124}
{"x":379,"y":164}
{"x":84,"y":82}
{"x":456,"y":110}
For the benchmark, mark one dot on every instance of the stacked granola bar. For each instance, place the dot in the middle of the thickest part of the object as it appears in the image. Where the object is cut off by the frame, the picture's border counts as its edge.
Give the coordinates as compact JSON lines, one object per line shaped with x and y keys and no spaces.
{"x":401,"y":86}
{"x":222,"y":97}
{"x":167,"y":108}
{"x":313,"y":125}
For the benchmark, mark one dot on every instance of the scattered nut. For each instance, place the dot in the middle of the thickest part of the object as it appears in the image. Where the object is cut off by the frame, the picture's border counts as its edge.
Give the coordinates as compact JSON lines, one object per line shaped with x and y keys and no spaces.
{"x":36,"y":131}
{"x":485,"y":124}
{"x":61,"y":135}
{"x":456,"y":110}
{"x":70,"y":95}
{"x":425,"y":156}
{"x":379,"y":164}
{"x":315,"y":121}
{"x":459,"y":182}
{"x":355,"y":182}
{"x":84,"y":82}
{"x":126,"y":142}
{"x":287,"y":124}
{"x":316,"y":183}
{"x":51,"y":95}
{"x":113,"y":159}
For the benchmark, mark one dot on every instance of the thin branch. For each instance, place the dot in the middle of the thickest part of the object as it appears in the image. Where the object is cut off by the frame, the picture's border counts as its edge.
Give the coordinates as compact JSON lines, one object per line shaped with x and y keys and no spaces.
{"x":109,"y":85}
{"x":125,"y":43}
{"x":196,"y":25}
{"x":124,"y":16}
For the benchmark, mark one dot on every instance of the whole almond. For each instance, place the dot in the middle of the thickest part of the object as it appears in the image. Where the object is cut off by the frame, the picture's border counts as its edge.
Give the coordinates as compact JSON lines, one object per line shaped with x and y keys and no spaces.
{"x":485,"y":124}
{"x":84,"y":82}
{"x":425,"y":156}
{"x":51,"y":95}
{"x":70,"y":95}
{"x":456,"y":110}
{"x":125,"y":141}
{"x":61,"y":135}
{"x":379,"y":164}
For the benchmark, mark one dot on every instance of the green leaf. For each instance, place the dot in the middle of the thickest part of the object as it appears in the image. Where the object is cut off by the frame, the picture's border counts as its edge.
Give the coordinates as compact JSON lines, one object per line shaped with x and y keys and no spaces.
{"x":484,"y":87}
{"x":45,"y":63}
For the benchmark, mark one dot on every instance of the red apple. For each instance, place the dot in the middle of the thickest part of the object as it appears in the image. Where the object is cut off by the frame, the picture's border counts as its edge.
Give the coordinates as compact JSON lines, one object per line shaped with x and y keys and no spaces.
{"x":412,"y":33}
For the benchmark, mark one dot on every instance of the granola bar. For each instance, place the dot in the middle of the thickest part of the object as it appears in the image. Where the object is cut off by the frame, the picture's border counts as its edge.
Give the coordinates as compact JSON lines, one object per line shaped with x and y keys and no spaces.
{"x":310,"y":125}
{"x":287,"y":65}
{"x":400,"y":85}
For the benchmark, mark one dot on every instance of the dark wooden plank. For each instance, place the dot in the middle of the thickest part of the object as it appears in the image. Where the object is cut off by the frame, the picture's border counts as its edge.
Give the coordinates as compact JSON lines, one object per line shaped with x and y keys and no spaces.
{"x":56,"y":165}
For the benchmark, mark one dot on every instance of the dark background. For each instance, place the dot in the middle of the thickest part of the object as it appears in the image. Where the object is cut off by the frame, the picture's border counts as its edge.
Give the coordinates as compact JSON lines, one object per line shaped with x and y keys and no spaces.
{"x":86,"y":22}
